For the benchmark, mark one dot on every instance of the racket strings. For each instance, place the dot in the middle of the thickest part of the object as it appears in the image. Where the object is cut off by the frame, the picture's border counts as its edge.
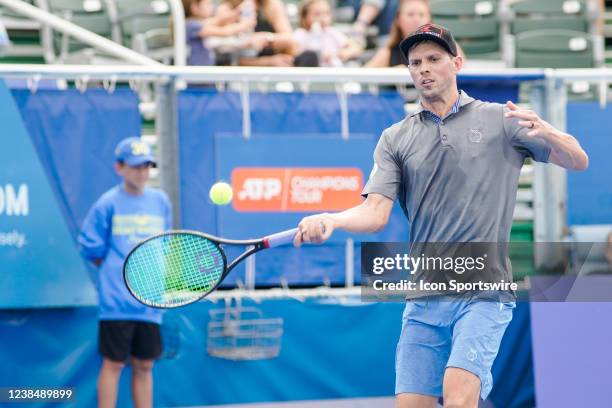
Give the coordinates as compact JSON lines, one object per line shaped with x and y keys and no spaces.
{"x":174,"y":269}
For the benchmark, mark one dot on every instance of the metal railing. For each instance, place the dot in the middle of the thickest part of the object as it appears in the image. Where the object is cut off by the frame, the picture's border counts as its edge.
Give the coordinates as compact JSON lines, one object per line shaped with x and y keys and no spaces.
{"x":196,"y":74}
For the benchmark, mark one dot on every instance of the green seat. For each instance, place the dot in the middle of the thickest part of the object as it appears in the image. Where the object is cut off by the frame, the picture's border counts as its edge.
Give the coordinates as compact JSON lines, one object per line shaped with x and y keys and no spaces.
{"x":521,"y":250}
{"x":24,"y":34}
{"x":99,"y":24}
{"x":521,"y":232}
{"x":554,"y":49}
{"x":135,"y":17}
{"x":474,"y":25}
{"x":157,"y":44}
{"x":89,"y":14}
{"x":549,"y":14}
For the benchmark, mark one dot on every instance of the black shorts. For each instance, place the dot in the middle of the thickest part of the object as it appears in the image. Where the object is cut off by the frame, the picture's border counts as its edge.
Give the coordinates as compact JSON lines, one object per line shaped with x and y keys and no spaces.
{"x":119,"y":339}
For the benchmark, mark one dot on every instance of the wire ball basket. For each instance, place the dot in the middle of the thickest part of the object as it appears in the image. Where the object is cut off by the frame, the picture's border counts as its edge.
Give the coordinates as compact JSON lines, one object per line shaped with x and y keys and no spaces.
{"x":243,"y":333}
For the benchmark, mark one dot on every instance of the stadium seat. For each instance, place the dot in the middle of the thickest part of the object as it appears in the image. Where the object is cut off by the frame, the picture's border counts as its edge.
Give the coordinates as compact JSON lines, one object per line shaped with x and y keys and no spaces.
{"x":557,"y":48}
{"x":89,"y":14}
{"x":156,"y":44}
{"x":556,"y":34}
{"x":527,"y":15}
{"x":24,"y":35}
{"x":554,"y":48}
{"x":473,"y":23}
{"x":133,"y":17}
{"x":607,"y":31}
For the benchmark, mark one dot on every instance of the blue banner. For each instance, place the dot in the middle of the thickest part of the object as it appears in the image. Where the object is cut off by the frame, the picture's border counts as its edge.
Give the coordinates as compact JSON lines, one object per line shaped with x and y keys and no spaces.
{"x":54,"y":168}
{"x":40,"y":264}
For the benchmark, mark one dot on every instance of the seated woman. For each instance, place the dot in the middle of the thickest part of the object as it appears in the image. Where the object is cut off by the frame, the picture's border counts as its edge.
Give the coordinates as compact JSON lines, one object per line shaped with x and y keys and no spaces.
{"x":273,"y":36}
{"x":316,"y":34}
{"x":410,"y":15}
{"x":201,"y":24}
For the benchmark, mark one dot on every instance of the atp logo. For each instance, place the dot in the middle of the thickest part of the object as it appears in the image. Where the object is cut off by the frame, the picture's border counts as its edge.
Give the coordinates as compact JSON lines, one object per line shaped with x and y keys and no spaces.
{"x":283,"y":189}
{"x":260,"y":189}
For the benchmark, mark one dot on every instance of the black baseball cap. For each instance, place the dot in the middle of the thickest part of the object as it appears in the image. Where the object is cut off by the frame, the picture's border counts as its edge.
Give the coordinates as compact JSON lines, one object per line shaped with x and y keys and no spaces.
{"x":429,"y":32}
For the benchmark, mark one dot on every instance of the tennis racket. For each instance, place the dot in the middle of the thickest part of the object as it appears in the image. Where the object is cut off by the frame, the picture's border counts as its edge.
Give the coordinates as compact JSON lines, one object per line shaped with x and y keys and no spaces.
{"x":180,"y":267}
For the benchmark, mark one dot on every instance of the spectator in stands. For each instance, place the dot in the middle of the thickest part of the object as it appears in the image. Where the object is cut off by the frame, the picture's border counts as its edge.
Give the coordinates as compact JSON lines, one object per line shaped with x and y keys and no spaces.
{"x":201,"y":24}
{"x":410,"y":15}
{"x":272,"y":38}
{"x":373,"y":12}
{"x":316,"y":34}
{"x":118,"y":220}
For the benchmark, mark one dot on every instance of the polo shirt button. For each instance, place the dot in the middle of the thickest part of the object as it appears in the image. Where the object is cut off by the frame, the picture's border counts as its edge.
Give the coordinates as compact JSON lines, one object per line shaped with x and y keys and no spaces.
{"x":443,"y":137}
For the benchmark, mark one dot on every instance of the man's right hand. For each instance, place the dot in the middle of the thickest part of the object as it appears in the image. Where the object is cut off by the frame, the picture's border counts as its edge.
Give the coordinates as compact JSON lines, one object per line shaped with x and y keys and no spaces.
{"x":315,"y":229}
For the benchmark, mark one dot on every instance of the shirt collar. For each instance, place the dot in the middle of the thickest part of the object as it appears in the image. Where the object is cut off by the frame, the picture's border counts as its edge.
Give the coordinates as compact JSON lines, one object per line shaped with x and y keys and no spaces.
{"x":461,"y":101}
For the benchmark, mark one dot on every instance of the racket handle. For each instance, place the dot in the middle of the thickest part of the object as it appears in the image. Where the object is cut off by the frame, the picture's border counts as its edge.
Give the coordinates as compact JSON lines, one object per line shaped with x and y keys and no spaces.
{"x":281,"y":238}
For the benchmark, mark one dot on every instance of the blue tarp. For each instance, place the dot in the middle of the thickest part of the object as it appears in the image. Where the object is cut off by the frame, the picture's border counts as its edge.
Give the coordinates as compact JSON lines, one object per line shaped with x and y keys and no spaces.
{"x":63,"y":160}
{"x":75,"y":135}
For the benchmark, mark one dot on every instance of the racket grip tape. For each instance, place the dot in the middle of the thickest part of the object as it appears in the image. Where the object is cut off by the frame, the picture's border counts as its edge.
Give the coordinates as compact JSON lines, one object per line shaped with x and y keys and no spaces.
{"x":280,"y":238}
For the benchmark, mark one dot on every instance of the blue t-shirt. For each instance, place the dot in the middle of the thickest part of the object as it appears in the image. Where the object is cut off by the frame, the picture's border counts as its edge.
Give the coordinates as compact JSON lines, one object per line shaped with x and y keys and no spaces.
{"x":113,"y":226}
{"x":199,"y":54}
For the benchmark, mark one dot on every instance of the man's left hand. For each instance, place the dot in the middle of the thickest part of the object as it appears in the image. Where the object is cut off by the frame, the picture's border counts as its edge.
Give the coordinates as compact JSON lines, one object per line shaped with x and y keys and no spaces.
{"x":565,"y":151}
{"x":530,"y":120}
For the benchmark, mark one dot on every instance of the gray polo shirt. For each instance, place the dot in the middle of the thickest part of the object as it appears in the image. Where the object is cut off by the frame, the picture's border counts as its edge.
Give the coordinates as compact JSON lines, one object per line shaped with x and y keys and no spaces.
{"x":456,"y":180}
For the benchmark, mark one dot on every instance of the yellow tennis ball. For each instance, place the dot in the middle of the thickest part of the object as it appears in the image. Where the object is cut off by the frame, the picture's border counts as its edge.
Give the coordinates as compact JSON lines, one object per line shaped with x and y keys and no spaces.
{"x":221,"y":193}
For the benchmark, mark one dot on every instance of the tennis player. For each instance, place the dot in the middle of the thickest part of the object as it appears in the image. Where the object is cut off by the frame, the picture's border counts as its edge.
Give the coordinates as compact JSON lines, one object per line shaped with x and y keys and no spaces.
{"x":119,"y":219}
{"x":454,"y":165}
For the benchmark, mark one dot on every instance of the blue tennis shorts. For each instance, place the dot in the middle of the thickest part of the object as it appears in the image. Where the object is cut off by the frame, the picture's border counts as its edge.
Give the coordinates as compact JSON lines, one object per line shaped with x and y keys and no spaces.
{"x":440,"y":332}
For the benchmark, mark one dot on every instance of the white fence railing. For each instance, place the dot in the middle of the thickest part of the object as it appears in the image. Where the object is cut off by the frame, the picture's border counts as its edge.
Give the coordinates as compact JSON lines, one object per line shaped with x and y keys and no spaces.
{"x":215,"y":73}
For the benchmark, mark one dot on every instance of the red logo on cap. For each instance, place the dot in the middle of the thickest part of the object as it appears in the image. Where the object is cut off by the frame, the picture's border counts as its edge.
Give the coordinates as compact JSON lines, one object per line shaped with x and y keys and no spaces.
{"x":427,"y":28}
{"x":432,"y":29}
